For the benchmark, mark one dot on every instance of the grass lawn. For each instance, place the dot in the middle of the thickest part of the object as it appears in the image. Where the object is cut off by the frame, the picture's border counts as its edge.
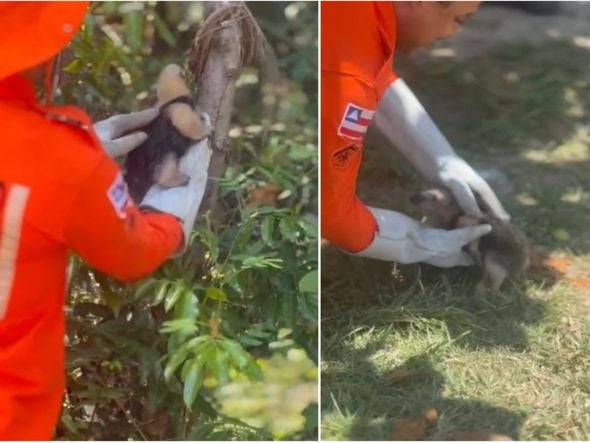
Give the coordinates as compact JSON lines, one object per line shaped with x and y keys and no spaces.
{"x":397,"y":340}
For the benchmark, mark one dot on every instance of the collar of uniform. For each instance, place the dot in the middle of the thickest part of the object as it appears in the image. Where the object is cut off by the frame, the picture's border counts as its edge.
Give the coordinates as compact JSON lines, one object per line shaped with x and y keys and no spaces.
{"x":18,"y":88}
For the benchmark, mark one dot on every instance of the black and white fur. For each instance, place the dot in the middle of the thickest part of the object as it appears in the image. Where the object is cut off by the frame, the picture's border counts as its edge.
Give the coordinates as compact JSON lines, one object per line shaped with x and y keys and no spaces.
{"x":178,"y":126}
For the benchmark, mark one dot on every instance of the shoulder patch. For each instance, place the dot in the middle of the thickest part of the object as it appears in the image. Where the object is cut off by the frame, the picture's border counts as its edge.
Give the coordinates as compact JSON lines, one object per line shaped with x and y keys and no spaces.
{"x":355,"y":122}
{"x":118,"y":195}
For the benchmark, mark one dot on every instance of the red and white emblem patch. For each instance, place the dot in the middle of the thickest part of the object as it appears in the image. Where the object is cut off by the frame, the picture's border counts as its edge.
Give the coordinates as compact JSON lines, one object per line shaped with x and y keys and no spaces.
{"x":119,"y":196}
{"x":355,"y":122}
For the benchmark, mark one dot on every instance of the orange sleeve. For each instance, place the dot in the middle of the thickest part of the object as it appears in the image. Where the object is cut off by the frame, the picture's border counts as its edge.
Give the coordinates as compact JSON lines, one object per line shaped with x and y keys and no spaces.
{"x":346,"y":221}
{"x":351,"y":60}
{"x":110,"y":233}
{"x":357,"y":40}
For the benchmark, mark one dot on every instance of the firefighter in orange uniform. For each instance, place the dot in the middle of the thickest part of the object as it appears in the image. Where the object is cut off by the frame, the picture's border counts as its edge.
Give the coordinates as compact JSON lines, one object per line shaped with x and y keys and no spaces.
{"x":60,"y":191}
{"x":359,"y":41}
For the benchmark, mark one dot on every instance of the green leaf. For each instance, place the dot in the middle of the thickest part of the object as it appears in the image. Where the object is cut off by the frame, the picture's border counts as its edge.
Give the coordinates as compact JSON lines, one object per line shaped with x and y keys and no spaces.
{"x":133,"y":29}
{"x":69,"y":423}
{"x":195,"y":344}
{"x":288,"y":229}
{"x":192,"y":384}
{"x":165,"y":285}
{"x":249,"y":341}
{"x":218,"y":364}
{"x":186,"y":306}
{"x":245,"y":233}
{"x":74,"y":67}
{"x":253,"y":371}
{"x":238,"y":355}
{"x":164,"y":31}
{"x":175,"y":361}
{"x":309,"y":282}
{"x":174,"y":295}
{"x":143,"y":287}
{"x":185,"y":369}
{"x":262,"y":262}
{"x":302,"y":152}
{"x":216,"y":294}
{"x":266,"y":230}
{"x":308,"y":306}
{"x":311,"y":230}
{"x":284,"y":333}
{"x":210,"y":240}
{"x":279,"y":344}
{"x":185,"y":326}
{"x":267,"y":210}
{"x":258,"y":333}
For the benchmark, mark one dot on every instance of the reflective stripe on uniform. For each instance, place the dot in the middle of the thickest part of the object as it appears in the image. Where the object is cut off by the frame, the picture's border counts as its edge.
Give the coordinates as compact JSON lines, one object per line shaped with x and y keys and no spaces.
{"x":14,"y":210}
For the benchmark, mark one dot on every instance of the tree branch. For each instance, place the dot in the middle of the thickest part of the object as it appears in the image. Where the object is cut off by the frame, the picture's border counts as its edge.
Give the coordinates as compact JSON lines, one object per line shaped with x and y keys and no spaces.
{"x":218,"y":54}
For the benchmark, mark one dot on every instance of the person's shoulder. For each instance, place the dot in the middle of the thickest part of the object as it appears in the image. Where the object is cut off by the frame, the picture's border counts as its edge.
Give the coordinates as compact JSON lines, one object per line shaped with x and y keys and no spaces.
{"x":59,"y":140}
{"x":73,"y":135}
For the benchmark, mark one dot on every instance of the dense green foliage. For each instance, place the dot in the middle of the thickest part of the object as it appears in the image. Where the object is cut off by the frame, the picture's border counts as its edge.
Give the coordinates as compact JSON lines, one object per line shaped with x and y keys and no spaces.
{"x":210,"y":345}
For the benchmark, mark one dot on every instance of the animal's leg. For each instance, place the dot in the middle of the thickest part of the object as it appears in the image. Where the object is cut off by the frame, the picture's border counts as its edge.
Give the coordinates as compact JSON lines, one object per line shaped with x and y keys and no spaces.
{"x":494,"y":275}
{"x":168,"y":174}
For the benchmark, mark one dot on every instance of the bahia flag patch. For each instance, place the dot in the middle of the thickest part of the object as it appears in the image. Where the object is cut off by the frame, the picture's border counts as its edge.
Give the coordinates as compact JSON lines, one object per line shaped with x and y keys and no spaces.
{"x":355,"y":122}
{"x":118,"y":195}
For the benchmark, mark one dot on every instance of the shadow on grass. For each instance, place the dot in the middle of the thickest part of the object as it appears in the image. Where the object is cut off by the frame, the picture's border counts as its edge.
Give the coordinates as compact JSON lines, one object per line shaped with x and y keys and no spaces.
{"x":366,"y":303}
{"x":376,"y":414}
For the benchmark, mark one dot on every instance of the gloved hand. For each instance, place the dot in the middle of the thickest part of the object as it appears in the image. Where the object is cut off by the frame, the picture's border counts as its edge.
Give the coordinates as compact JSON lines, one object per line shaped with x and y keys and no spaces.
{"x":402,"y":239}
{"x":405,"y":123}
{"x":110,"y":131}
{"x":183,"y":201}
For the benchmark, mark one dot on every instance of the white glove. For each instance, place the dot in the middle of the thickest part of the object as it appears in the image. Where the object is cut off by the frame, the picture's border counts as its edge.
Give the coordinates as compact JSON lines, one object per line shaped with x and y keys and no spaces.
{"x":405,"y":123}
{"x":183,"y":201}
{"x":110,"y":131}
{"x":402,"y":239}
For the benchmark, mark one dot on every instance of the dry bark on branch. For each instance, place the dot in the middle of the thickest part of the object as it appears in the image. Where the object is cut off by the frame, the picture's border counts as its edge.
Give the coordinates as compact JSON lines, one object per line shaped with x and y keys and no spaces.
{"x":228,"y":39}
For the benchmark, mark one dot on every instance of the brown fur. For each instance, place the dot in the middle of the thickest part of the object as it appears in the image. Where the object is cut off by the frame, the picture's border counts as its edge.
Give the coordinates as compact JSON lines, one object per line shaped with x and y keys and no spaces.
{"x":500,"y":254}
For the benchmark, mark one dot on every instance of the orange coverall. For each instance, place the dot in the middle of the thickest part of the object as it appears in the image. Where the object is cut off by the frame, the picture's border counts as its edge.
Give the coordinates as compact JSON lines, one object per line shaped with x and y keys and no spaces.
{"x":58,"y":191}
{"x":358,"y":43}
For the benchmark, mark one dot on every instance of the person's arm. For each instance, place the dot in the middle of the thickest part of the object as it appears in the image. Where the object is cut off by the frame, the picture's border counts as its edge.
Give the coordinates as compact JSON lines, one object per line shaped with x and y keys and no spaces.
{"x":404,"y":122}
{"x":109,"y":232}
